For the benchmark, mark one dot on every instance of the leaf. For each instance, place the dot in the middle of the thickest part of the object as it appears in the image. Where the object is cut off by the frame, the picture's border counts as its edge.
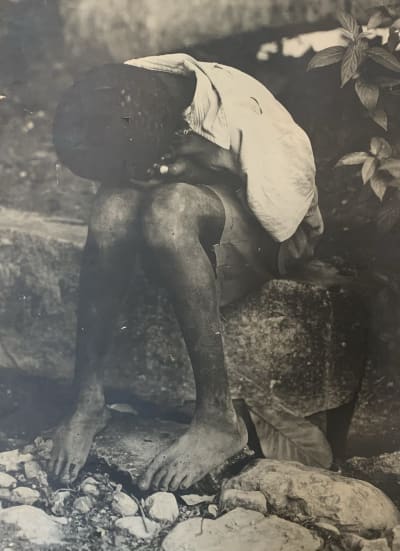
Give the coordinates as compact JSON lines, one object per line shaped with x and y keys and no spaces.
{"x":380,"y":147}
{"x":283,"y":435}
{"x":352,"y":59}
{"x":377,"y":18}
{"x":384,"y":58}
{"x":392,"y":166}
{"x":325,"y":57}
{"x":379,"y":116}
{"x":368,"y":169}
{"x":368,"y":93}
{"x":378,"y":186}
{"x":356,"y":158}
{"x":349,"y":23}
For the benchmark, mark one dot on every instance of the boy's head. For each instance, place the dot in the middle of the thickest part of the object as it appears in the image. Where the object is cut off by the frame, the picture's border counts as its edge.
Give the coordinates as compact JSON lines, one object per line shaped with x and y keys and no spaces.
{"x":117,"y":120}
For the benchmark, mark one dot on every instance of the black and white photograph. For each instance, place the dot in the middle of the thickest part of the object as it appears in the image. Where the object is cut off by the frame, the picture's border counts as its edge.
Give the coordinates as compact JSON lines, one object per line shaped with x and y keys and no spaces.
{"x":199,"y":275}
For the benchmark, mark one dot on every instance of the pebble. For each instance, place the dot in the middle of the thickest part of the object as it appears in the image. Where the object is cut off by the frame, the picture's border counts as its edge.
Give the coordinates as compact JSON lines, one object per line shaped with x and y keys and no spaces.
{"x":59,"y":500}
{"x":33,"y":470}
{"x":162,"y":506}
{"x":135,"y":527}
{"x":195,"y":499}
{"x":124,"y":505}
{"x":250,"y":499}
{"x":328,"y":528}
{"x":13,"y":459}
{"x":7,"y":481}
{"x":212,"y":510}
{"x":24,"y":495}
{"x":90,"y":487}
{"x":83,"y":504}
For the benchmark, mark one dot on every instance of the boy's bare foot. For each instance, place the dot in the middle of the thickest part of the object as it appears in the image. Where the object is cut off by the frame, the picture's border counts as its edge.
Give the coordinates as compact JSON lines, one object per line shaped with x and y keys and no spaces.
{"x":200,"y":450}
{"x":72,"y":441}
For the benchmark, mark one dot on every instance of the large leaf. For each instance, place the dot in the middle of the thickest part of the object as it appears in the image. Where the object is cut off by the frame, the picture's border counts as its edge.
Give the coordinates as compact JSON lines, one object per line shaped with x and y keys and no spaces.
{"x":380,"y":117}
{"x":384,"y":58}
{"x":368,"y":93}
{"x":352,"y":59}
{"x":325,"y":57}
{"x":378,"y":185}
{"x":381,"y":148}
{"x":368,"y":169}
{"x":349,"y":23}
{"x":392,"y":166}
{"x":283,"y":435}
{"x":356,"y":158}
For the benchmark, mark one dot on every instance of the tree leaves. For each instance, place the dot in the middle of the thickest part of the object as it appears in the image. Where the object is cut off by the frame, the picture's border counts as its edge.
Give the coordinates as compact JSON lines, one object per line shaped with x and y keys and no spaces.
{"x":384,"y":58}
{"x":285,"y":436}
{"x":380,"y":117}
{"x":378,"y":185}
{"x":326,"y":57}
{"x":356,"y":158}
{"x":368,"y":169}
{"x":368,"y":93}
{"x":392,"y":166}
{"x":380,"y":148}
{"x":349,"y":23}
{"x":352,"y":59}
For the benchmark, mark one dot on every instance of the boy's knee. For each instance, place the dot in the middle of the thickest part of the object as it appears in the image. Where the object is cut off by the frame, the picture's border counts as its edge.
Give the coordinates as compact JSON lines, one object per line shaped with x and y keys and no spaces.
{"x":113,"y":219}
{"x":169,"y":218}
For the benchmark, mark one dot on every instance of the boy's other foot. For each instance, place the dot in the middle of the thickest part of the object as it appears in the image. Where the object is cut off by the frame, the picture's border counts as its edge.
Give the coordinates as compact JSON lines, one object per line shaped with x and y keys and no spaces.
{"x":200,"y":450}
{"x":72,"y":441}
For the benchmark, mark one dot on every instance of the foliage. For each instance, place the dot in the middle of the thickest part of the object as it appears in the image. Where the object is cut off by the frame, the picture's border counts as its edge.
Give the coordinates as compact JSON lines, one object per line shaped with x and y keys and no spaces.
{"x":374,"y":71}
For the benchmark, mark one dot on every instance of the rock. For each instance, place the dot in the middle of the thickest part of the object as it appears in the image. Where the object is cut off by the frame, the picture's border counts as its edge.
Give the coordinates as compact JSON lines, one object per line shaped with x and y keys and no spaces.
{"x":326,"y":527}
{"x":7,"y":481}
{"x":59,"y":501}
{"x":124,"y":505}
{"x":382,"y":471}
{"x":162,"y":506}
{"x":24,"y":495}
{"x":375,"y":545}
{"x":5,"y":494}
{"x":194,"y":499}
{"x":295,"y":491}
{"x":396,"y":538}
{"x":137,"y":527}
{"x":33,"y":524}
{"x":240,"y":529}
{"x":297,"y":325}
{"x":90,"y":487}
{"x":83,"y":504}
{"x":33,"y":470}
{"x":12,"y":460}
{"x":212,"y":510}
{"x":253,"y":500}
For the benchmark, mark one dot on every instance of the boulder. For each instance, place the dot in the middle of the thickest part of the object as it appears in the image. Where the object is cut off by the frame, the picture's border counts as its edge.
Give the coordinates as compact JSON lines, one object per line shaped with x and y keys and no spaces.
{"x":24,"y":495}
{"x":295,"y":491}
{"x":162,"y":507}
{"x":298,"y":338}
{"x":33,"y":524}
{"x":253,"y":500}
{"x":139,"y":527}
{"x":12,"y":460}
{"x":7,"y":481}
{"x":240,"y":529}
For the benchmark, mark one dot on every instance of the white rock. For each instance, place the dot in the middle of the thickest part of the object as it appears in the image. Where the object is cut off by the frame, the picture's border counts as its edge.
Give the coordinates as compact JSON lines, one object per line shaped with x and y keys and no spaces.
{"x":24,"y":495}
{"x":7,"y":481}
{"x":212,"y":510}
{"x":90,"y":487}
{"x":13,"y":459}
{"x":5,"y":493}
{"x":238,"y":530}
{"x":294,"y":490}
{"x":59,"y":500}
{"x":83,"y":504}
{"x":33,"y":524}
{"x":162,"y":506}
{"x":138,"y":528}
{"x":396,"y":538}
{"x":253,"y":500}
{"x":124,"y":505}
{"x":195,"y":499}
{"x":33,"y":470}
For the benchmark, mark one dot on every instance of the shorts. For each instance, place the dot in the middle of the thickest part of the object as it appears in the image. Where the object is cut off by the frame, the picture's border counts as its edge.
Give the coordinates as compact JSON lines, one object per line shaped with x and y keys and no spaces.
{"x":246,"y":256}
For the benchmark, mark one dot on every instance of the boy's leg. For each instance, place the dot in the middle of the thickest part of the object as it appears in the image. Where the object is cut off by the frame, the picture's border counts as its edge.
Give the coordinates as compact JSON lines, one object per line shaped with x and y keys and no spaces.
{"x":180,"y":223}
{"x":106,"y":270}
